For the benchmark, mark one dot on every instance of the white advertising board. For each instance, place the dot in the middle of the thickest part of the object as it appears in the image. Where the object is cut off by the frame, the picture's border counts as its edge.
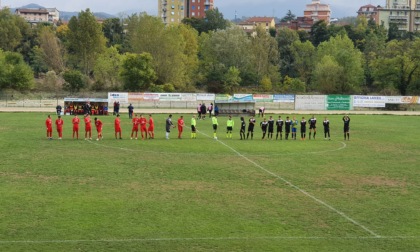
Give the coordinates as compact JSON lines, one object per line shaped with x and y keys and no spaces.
{"x":365,"y":101}
{"x":310,"y":102}
{"x":402,"y":99}
{"x":118,"y":97}
{"x":205,"y":97}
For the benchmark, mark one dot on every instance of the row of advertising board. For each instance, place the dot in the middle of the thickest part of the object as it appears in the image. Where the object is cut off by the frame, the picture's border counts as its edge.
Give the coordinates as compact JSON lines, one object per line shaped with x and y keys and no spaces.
{"x":302,"y":102}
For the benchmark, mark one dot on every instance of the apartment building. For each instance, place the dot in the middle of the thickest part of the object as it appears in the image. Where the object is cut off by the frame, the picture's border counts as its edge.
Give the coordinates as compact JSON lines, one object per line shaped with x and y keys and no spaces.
{"x":318,"y":11}
{"x":198,"y":8}
{"x":33,"y":16}
{"x":171,"y":11}
{"x":404,"y":13}
{"x":369,"y":12}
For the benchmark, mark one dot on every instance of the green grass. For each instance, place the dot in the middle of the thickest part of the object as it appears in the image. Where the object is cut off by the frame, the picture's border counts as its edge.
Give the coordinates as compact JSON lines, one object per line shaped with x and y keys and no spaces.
{"x":207,"y":195}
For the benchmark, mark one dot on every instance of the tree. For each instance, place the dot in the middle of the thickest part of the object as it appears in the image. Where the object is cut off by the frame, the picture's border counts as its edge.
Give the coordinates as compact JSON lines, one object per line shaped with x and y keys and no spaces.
{"x":137,"y":72}
{"x":86,"y":40}
{"x":14,"y":72}
{"x":343,"y":52}
{"x":319,"y":33}
{"x":232,"y":80}
{"x":304,"y":56}
{"x":73,"y":81}
{"x":293,"y":85}
{"x":113,"y":31}
{"x":374,"y":46}
{"x":289,"y":17}
{"x":285,"y":38}
{"x":327,"y":75}
{"x":399,"y":65}
{"x":167,"y":45}
{"x":37,"y":61}
{"x":266,"y":84}
{"x":106,"y":70}
{"x":51,"y":81}
{"x":221,"y":50}
{"x":265,"y":56}
{"x":52,"y":50}
{"x":11,"y":34}
{"x":214,"y":21}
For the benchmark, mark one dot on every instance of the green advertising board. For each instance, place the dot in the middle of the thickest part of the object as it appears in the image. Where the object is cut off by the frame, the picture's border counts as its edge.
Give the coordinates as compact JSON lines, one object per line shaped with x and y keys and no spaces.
{"x":338,"y":102}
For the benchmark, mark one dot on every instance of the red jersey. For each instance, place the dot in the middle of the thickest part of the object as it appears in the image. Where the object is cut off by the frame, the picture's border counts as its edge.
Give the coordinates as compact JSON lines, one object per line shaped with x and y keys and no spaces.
{"x":117,"y":124}
{"x":48,"y":123}
{"x":59,"y":123}
{"x":143,"y":122}
{"x":88,"y":123}
{"x":98,"y":124}
{"x":136,"y":123}
{"x":151,"y":124}
{"x":76,"y":122}
{"x":180,"y":123}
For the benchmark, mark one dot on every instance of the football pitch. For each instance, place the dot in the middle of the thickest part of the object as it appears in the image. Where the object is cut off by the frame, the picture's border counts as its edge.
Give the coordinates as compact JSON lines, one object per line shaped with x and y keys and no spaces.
{"x":210,"y":195}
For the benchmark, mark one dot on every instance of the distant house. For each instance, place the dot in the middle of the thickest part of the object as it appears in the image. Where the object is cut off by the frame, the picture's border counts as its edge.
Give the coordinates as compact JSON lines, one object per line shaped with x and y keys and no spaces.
{"x":299,"y":24}
{"x":318,"y":11}
{"x":251,"y":24}
{"x":370,"y":12}
{"x":53,"y":15}
{"x":34,"y":16}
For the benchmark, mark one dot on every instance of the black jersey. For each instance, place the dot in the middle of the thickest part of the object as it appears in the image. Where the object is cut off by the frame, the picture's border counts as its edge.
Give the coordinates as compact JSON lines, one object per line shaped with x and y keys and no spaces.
{"x":312,"y":123}
{"x":346,"y":121}
{"x":303,"y":125}
{"x":243,"y":126}
{"x":279,"y":124}
{"x":326,"y":124}
{"x":264,"y":125}
{"x":270,"y":124}
{"x":287,"y":124}
{"x":251,"y":124}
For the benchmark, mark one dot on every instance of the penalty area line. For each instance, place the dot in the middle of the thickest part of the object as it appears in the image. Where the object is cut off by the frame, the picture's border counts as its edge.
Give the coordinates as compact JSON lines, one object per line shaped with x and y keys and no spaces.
{"x":342,"y":214}
{"x":215,"y":239}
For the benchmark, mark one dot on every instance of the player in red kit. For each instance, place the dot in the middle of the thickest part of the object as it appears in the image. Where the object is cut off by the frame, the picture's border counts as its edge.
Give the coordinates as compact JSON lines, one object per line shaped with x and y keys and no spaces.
{"x":136,"y":122}
{"x":48,"y":124}
{"x":180,"y":126}
{"x":88,"y":127}
{"x":98,"y":124}
{"x":59,"y":123}
{"x":143,"y":127}
{"x":76,"y":122}
{"x":151,"y":129}
{"x":117,"y":124}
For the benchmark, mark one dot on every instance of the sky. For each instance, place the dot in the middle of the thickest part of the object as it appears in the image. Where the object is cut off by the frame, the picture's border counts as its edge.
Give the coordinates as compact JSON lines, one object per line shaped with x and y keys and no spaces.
{"x":248,"y":8}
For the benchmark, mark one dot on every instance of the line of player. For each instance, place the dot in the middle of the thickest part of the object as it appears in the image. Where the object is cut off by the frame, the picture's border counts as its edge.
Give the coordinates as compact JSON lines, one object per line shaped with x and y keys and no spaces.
{"x":140,"y":124}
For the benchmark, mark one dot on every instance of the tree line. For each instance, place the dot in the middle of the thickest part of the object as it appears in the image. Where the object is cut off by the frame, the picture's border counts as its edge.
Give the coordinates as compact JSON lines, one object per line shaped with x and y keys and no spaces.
{"x":140,"y":53}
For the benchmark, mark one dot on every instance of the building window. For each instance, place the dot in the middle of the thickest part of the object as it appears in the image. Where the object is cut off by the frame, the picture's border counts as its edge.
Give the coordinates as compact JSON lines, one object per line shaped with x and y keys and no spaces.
{"x":193,"y":7}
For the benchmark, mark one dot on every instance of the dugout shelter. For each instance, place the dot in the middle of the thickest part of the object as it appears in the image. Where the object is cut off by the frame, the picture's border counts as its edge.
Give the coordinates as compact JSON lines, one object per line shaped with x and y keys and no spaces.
{"x":78,"y":106}
{"x":236,"y":108}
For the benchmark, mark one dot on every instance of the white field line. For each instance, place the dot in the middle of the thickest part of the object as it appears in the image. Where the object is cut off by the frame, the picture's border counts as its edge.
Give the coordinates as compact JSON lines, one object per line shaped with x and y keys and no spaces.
{"x":215,"y":239}
{"x":300,"y":190}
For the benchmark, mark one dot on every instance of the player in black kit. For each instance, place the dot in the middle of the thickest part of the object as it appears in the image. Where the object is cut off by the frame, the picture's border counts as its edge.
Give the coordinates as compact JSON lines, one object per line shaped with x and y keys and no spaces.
{"x":312,"y":126}
{"x":279,"y":124}
{"x":270,"y":128}
{"x":264,"y":125}
{"x":303,"y":129}
{"x":346,"y":120}
{"x":251,"y":125}
{"x":243,"y":126}
{"x":287,"y":124}
{"x":326,"y":124}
